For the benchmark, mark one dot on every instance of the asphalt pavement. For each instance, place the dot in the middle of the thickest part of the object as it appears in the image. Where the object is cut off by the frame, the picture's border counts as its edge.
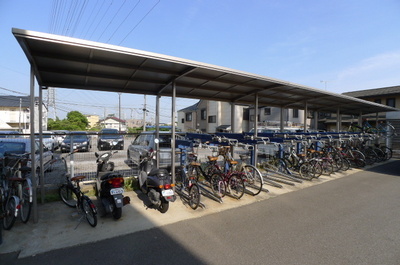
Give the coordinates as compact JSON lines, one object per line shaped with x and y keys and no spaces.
{"x":59,"y":228}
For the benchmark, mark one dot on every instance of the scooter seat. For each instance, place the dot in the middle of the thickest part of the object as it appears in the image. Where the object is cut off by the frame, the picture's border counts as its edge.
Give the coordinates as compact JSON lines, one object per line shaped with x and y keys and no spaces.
{"x":160,"y":173}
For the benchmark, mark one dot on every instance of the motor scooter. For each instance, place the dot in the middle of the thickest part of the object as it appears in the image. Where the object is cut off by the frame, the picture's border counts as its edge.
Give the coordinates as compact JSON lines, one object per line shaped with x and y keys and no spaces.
{"x":155,"y":182}
{"x":109,"y":185}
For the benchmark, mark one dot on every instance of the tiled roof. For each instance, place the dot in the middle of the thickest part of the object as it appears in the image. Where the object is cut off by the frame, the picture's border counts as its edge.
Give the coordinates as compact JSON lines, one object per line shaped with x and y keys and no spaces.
{"x":374,"y":92}
{"x":190,"y":108}
{"x":14,"y":101}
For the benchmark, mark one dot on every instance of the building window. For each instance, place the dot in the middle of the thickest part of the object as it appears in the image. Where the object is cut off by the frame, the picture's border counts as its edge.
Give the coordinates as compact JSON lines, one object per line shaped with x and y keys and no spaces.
{"x":203,"y":114}
{"x":379,"y":101}
{"x":212,"y":119}
{"x":183,"y":120}
{"x":246,"y":114}
{"x":295,"y":113}
{"x":189,"y":116}
{"x":267,"y":111}
{"x":391,"y":102}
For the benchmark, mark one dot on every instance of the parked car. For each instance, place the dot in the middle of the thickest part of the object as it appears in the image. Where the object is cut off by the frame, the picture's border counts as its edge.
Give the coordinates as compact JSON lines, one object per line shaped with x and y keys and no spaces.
{"x":59,"y":135}
{"x":80,"y":141}
{"x":144,"y":143}
{"x":23,"y":146}
{"x":9,"y":134}
{"x":110,"y":139}
{"x":49,"y":140}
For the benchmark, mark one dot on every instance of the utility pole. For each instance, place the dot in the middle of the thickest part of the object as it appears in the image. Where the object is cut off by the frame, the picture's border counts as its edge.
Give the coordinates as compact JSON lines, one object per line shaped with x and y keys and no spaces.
{"x":144,"y":114}
{"x":20,"y":110}
{"x":119,"y":111}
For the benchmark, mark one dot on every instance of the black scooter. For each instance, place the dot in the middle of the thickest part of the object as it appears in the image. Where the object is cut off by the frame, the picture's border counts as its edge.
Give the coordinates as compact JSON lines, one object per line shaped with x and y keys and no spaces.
{"x":156,"y":183}
{"x":110,"y":185}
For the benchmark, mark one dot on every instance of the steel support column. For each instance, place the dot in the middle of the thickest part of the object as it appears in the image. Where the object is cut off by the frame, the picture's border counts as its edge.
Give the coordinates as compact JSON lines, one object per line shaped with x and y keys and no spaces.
{"x":158,"y":129}
{"x":255,"y":151}
{"x":233,"y":117}
{"x":32,"y":132}
{"x":281,"y":119}
{"x":338,"y":120}
{"x":41,"y":176}
{"x":173,"y":132}
{"x":305,"y":116}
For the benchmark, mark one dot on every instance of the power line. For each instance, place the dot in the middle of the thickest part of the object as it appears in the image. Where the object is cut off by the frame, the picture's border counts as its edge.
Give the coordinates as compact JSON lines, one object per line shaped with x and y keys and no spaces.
{"x":112,"y":19}
{"x":126,"y":17}
{"x":139,"y":22}
{"x":16,"y":92}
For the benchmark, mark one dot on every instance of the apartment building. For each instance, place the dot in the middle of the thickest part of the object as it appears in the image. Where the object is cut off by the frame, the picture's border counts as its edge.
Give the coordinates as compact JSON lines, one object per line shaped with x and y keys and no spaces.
{"x":15,"y":114}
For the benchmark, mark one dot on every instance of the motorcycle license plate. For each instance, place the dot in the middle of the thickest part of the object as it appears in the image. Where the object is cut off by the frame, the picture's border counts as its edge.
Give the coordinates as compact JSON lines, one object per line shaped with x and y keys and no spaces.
{"x":166,"y":193}
{"x":116,"y":191}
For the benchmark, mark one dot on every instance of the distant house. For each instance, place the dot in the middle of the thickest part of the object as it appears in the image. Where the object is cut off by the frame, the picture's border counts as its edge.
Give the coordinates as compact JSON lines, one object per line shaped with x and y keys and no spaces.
{"x":15,"y":114}
{"x":93,"y":120}
{"x":215,"y":116}
{"x":389,"y":96}
{"x":112,"y":122}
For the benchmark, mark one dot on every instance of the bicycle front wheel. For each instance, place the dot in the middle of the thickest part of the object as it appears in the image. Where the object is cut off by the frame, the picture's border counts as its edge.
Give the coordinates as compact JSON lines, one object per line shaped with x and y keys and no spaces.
{"x":10,"y":213}
{"x":254,"y":179}
{"x":218,"y":185}
{"x":68,"y":195}
{"x":194,"y":196}
{"x":26,"y":201}
{"x":236,"y":186}
{"x":89,"y":209}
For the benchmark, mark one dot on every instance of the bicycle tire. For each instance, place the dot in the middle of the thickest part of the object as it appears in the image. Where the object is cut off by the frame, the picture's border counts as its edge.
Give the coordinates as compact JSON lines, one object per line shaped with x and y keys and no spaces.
{"x":327,"y":167}
{"x":179,"y":178}
{"x":388,"y":152}
{"x":380,"y":155}
{"x":68,"y":195}
{"x":236,"y":186}
{"x":194,"y":196}
{"x":254,"y":179}
{"x":306,"y":171}
{"x":345,"y":164}
{"x":89,"y":209}
{"x":26,"y":201}
{"x":316,"y":167}
{"x":10,"y":211}
{"x":218,"y":185}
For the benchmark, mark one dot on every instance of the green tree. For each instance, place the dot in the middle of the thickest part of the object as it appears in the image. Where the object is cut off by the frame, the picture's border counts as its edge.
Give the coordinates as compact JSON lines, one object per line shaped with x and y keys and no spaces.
{"x":75,"y":121}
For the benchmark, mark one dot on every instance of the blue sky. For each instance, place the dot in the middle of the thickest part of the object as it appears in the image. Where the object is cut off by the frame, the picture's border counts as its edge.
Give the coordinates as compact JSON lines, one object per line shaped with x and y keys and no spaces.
{"x":349,"y":45}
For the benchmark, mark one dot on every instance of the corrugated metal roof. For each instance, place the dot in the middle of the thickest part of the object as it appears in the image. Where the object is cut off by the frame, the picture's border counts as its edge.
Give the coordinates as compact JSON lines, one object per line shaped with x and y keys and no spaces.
{"x":74,"y":63}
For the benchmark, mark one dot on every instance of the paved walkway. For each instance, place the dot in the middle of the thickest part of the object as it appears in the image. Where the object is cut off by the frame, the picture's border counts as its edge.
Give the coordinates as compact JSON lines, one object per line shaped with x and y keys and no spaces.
{"x":58,"y":227}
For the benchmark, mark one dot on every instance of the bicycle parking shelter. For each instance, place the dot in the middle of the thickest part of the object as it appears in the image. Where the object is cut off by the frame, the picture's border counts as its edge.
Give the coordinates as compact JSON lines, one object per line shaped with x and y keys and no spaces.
{"x":64,"y":62}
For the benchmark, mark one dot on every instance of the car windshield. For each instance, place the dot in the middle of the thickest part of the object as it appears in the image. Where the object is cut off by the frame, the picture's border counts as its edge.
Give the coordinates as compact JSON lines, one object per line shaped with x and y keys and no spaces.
{"x":165,"y":141}
{"x":12,"y":148}
{"x":109,"y":135}
{"x":76,"y":137}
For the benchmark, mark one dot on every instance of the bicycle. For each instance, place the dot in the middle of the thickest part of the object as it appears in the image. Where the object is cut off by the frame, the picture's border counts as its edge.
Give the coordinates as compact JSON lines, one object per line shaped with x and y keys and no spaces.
{"x":233,"y":180}
{"x":206,"y":173}
{"x":15,"y":190}
{"x":187,"y":184}
{"x":252,"y":177}
{"x":72,"y":195}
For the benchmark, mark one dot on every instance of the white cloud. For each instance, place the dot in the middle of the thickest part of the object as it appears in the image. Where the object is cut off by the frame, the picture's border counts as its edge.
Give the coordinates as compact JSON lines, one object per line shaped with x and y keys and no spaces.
{"x":378,"y":71}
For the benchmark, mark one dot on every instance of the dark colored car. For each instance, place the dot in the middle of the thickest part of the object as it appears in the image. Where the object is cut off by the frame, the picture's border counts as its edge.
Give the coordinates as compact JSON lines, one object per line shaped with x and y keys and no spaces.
{"x":144,"y":143}
{"x":110,"y":139}
{"x":80,"y":141}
